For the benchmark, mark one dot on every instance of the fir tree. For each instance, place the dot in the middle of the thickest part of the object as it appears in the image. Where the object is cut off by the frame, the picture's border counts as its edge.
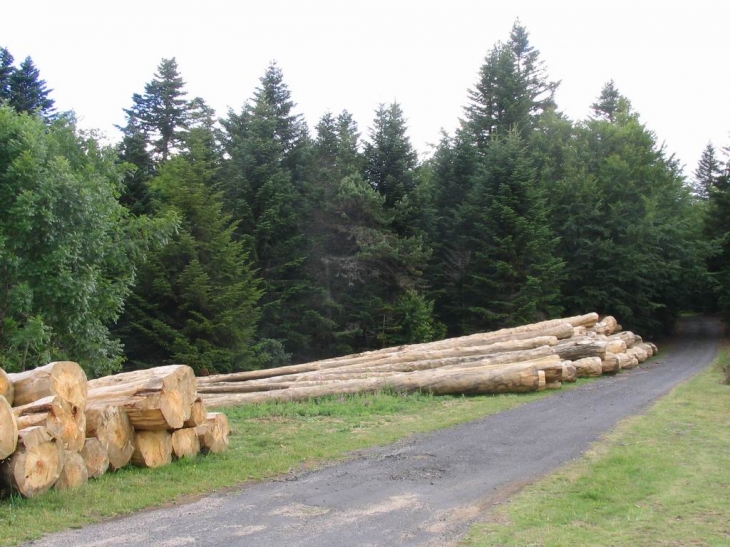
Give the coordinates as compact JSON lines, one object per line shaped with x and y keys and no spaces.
{"x":707,"y":173}
{"x":6,"y":70}
{"x":28,"y":93}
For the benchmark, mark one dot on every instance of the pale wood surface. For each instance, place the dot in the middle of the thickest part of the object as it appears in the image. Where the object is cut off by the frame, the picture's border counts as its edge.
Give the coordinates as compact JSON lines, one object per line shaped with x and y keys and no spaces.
{"x":63,"y":378}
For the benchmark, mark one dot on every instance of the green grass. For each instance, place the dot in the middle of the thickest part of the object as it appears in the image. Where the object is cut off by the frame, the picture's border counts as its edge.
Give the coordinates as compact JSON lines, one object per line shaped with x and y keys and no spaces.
{"x":266,"y":441}
{"x":662,"y":479}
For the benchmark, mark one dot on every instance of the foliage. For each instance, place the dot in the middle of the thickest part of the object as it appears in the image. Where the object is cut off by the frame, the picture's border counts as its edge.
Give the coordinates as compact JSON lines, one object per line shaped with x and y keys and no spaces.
{"x":67,"y":247}
{"x":23,"y":88}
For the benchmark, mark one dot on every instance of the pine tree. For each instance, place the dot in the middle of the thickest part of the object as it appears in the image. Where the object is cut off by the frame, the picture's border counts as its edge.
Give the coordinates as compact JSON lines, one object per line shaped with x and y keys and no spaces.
{"x":390,"y":157}
{"x":162,"y":113}
{"x":6,"y":69}
{"x":263,"y":192}
{"x":512,"y":276}
{"x":707,"y":173}
{"x":196,"y":298}
{"x":28,"y":93}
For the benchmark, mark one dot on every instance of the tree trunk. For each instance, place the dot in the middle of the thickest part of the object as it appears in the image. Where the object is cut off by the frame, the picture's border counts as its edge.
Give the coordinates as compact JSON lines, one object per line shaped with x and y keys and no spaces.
{"x":6,"y":388}
{"x":580,"y":347}
{"x":65,"y":379}
{"x":198,"y":414}
{"x":346,"y":373}
{"x":513,"y":378}
{"x":152,"y":449}
{"x":154,"y":399}
{"x":616,"y":346}
{"x":111,"y":425}
{"x":8,"y":429}
{"x":610,"y":364}
{"x":95,"y":457}
{"x":627,"y":336}
{"x":74,"y":472}
{"x":63,"y":420}
{"x":36,"y":464}
{"x":608,"y":325}
{"x":213,"y":434}
{"x":185,"y":443}
{"x":639,"y":352}
{"x":570,"y":373}
{"x":589,"y":367}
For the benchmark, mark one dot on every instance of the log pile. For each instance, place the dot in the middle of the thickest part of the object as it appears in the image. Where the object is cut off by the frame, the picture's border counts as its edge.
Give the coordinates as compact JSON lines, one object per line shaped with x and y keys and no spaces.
{"x":58,"y":430}
{"x":527,"y":358}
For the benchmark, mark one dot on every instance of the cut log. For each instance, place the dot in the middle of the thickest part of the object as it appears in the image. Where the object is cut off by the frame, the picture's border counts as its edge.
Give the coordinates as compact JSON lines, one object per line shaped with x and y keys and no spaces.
{"x":648,"y":348}
{"x":627,"y":336}
{"x":8,"y":429}
{"x":611,"y":364}
{"x":560,"y":329}
{"x":64,"y":421}
{"x":515,"y":378}
{"x":654,"y":348}
{"x":154,"y":399}
{"x":74,"y":472}
{"x":185,"y":443}
{"x":627,"y":361}
{"x":198,"y":414}
{"x":111,"y":425}
{"x":65,"y":379}
{"x":95,"y":457}
{"x":580,"y":347}
{"x":616,"y":346}
{"x":6,"y":388}
{"x":36,"y":464}
{"x":152,"y":449}
{"x":348,"y":373}
{"x":213,"y":434}
{"x":589,"y":367}
{"x":570,"y":374}
{"x":608,"y":325}
{"x":639,"y":352}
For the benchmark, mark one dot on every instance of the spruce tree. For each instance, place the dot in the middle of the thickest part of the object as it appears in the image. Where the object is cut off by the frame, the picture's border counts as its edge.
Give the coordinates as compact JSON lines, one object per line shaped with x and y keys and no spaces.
{"x":6,"y":69}
{"x":707,"y":173}
{"x":28,"y":93}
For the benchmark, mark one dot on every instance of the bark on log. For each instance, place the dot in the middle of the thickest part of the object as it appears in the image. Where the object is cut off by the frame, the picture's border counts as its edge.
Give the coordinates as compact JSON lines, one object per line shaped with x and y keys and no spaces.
{"x":580,"y":347}
{"x":36,"y":464}
{"x":8,"y":429}
{"x":589,"y":367}
{"x":648,"y":348}
{"x":95,"y":457}
{"x":74,"y":472}
{"x":185,"y":443}
{"x":213,"y":434}
{"x":154,"y":399}
{"x":152,"y":449}
{"x":111,"y":425}
{"x":63,"y":420}
{"x":6,"y":387}
{"x":627,"y":361}
{"x":198,"y":414}
{"x":65,"y":379}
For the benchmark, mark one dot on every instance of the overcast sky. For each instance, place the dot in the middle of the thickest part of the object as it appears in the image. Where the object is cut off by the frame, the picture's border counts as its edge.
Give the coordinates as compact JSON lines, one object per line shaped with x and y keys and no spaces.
{"x":669,"y":58}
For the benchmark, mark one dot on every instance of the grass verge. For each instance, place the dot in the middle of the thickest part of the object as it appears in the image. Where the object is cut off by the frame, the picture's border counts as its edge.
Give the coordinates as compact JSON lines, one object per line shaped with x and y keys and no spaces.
{"x":267,"y":440}
{"x":661,"y":479}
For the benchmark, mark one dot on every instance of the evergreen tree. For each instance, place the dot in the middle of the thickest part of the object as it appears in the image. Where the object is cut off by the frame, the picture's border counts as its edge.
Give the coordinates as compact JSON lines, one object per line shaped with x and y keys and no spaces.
{"x":6,"y":70}
{"x":512,"y":90}
{"x":707,"y":173}
{"x":162,"y":113}
{"x":28,"y":93}
{"x":512,"y":276}
{"x":264,"y":197}
{"x":717,"y":231}
{"x":390,"y":157}
{"x":196,"y":298}
{"x":608,"y":103}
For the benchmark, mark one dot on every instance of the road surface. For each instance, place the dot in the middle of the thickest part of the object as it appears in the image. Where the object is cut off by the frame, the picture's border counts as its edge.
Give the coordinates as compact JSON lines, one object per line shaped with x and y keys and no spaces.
{"x":425,"y":490}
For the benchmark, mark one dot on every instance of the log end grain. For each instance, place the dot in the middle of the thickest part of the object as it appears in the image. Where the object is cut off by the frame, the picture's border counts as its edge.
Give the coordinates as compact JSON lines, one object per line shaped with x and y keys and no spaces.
{"x":185,"y":443}
{"x":152,"y":449}
{"x":74,"y":473}
{"x":214,"y":433}
{"x":95,"y":457}
{"x":8,"y":429}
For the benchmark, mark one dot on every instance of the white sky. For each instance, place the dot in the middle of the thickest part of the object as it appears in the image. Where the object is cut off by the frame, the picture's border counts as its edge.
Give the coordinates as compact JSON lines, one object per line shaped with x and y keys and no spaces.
{"x":669,"y":58}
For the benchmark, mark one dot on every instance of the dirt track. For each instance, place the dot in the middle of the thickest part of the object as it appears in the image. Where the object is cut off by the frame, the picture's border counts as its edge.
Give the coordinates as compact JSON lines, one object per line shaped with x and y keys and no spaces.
{"x":425,"y":490}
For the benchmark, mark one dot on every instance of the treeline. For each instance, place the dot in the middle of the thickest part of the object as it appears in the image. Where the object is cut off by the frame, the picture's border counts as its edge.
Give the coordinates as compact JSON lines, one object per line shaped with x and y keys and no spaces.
{"x":246,"y":241}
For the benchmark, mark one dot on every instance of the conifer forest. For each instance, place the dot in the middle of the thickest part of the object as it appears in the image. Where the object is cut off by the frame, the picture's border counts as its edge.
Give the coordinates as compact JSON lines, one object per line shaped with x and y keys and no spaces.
{"x":255,"y":238}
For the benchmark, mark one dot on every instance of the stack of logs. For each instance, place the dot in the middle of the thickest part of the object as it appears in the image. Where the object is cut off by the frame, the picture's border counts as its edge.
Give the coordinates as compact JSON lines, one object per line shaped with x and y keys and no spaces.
{"x":526,"y":358}
{"x":58,"y":430}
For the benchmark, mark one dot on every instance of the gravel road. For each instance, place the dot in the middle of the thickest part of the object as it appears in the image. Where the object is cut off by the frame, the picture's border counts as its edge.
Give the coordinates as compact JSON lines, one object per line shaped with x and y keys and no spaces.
{"x":425,"y":490}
